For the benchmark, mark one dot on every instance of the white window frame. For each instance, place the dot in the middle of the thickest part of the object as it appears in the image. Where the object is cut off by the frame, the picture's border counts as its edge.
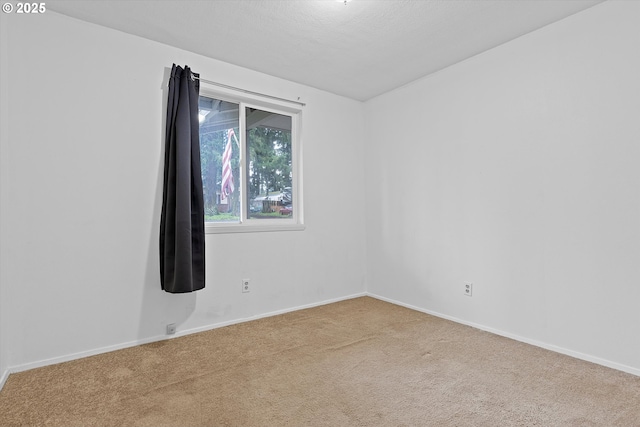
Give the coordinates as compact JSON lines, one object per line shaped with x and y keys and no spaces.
{"x":245,"y":225}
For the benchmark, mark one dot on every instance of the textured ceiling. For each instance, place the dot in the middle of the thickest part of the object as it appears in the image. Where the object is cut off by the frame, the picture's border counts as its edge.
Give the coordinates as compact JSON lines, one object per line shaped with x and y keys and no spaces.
{"x":358,"y":50}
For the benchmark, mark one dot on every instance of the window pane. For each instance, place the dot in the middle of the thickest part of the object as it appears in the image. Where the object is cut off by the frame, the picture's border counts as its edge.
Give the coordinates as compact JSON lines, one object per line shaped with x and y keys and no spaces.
{"x":219,"y":157}
{"x":269,"y":170}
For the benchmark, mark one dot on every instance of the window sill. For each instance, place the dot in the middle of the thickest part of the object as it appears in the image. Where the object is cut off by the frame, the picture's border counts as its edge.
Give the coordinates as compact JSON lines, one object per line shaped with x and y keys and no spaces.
{"x":241,"y":228}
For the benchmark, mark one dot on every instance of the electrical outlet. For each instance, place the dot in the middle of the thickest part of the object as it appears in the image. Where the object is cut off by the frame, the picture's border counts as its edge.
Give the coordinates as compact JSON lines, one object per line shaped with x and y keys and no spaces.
{"x":171,"y":328}
{"x":468,"y":289}
{"x":246,"y":286}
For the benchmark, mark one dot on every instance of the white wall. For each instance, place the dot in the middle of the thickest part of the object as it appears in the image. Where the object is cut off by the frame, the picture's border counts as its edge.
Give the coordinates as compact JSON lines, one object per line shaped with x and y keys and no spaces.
{"x":4,"y":166}
{"x":82,"y":158}
{"x":518,"y":170}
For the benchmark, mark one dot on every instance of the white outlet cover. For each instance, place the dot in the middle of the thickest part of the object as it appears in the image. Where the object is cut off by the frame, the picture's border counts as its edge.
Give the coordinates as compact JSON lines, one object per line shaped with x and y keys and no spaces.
{"x":468,"y":289}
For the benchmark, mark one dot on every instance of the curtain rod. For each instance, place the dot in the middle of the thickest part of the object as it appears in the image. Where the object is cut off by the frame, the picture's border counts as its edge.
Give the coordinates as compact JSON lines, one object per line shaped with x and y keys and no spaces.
{"x":246,"y":91}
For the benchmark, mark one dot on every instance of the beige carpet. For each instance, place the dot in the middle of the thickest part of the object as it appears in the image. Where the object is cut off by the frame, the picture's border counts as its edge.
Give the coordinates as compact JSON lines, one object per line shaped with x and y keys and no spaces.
{"x":361,"y":362}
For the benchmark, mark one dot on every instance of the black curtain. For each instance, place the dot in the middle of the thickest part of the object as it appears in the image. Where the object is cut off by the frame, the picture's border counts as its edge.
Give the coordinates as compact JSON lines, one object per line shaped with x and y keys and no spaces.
{"x":182,"y":221}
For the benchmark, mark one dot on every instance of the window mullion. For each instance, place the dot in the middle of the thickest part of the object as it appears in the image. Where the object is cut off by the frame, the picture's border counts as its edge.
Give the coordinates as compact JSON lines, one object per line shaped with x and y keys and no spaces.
{"x":244,"y":166}
{"x":296,"y":168}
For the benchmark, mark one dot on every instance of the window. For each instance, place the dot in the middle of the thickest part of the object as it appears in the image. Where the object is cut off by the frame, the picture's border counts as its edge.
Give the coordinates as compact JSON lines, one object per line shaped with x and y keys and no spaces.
{"x":250,"y":166}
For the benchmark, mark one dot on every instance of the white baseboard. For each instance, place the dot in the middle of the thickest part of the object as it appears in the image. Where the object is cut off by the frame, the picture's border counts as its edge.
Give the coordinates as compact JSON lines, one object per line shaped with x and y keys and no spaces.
{"x":268,"y":314}
{"x":551,"y":347}
{"x":82,"y":354}
{"x":3,"y":378}
{"x":38,"y":364}
{"x":107,"y":349}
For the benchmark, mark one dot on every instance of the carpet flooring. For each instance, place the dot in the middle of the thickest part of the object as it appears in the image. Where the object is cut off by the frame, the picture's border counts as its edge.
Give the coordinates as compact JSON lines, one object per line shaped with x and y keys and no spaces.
{"x":360,"y":362}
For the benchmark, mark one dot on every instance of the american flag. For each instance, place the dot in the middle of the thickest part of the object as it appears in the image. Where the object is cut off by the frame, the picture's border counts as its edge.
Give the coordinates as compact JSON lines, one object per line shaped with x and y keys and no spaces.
{"x":227,"y":174}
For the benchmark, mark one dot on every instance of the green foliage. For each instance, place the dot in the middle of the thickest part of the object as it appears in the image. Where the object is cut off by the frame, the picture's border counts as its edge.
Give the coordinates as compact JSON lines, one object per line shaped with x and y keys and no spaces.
{"x":268,"y":215}
{"x":269,"y":161}
{"x":221,"y":217}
